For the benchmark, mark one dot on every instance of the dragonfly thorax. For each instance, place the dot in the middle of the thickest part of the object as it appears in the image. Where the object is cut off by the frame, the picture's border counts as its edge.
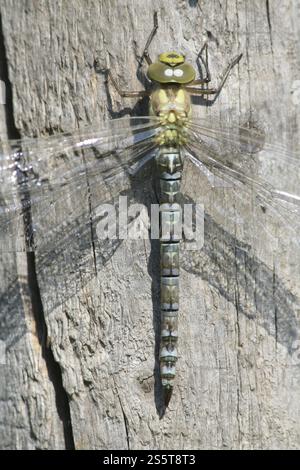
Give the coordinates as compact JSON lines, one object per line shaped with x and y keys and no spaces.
{"x":171,"y":103}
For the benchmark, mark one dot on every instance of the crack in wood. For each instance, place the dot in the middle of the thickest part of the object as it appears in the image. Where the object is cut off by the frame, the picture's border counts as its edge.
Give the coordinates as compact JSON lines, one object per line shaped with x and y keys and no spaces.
{"x":125,"y":421}
{"x":269,"y":20}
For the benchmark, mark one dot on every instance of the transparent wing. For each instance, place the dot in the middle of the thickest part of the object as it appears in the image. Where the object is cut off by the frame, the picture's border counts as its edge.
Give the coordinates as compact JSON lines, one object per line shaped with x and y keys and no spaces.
{"x":241,"y":159}
{"x":251,"y":246}
{"x":53,"y":186}
{"x":57,"y":188}
{"x":241,"y":140}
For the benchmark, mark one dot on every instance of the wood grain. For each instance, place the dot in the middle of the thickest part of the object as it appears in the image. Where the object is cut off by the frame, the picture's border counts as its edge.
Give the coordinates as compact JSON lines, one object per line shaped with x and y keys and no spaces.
{"x":238,"y":380}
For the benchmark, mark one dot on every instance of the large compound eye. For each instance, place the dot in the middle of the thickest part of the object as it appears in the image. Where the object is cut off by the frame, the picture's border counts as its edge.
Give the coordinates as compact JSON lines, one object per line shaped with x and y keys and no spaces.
{"x":168,"y":72}
{"x":178,"y":72}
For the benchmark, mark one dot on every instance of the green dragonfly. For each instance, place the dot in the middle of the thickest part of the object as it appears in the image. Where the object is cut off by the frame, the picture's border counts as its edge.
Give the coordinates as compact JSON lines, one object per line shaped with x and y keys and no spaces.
{"x":40,"y":177}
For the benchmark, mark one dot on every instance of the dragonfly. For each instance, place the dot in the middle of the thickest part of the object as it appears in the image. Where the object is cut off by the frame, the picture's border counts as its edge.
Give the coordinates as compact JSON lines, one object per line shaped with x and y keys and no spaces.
{"x":41,"y":177}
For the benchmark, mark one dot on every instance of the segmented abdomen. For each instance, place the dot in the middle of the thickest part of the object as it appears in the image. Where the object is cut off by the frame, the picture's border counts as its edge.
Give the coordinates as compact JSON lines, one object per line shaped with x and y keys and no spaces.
{"x":169,"y":164}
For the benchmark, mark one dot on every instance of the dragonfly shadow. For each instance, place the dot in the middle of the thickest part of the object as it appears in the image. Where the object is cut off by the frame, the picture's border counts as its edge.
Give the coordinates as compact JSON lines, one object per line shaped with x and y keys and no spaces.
{"x":154,"y":272}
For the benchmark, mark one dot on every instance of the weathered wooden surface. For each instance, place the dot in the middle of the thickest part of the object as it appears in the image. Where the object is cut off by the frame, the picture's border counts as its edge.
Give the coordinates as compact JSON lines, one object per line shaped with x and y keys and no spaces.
{"x":238,"y":378}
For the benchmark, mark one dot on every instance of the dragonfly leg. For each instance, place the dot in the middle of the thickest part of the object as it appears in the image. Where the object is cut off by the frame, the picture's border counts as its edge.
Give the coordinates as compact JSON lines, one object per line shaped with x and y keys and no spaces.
{"x":203,"y":61}
{"x":125,"y":93}
{"x":215,"y":91}
{"x":145,"y":54}
{"x":201,"y":91}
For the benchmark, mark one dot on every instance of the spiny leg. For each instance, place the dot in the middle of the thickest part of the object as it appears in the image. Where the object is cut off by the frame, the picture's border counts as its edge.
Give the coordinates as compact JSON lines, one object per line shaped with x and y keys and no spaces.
{"x":125,"y":93}
{"x":145,"y":54}
{"x":207,"y":78}
{"x":215,"y":91}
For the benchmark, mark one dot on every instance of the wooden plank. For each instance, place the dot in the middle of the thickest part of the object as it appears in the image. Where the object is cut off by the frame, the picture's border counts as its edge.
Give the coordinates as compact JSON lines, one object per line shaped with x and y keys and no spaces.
{"x":237,"y":384}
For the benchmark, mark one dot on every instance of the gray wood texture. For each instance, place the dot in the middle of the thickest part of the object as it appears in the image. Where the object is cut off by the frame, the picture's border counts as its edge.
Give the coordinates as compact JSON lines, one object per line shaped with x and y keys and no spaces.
{"x":81,"y":333}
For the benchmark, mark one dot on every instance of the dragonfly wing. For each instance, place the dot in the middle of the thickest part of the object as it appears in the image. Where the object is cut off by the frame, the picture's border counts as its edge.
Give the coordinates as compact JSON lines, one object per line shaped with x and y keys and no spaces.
{"x":251,"y":229}
{"x":241,"y":141}
{"x":54,"y":186}
{"x":247,"y":175}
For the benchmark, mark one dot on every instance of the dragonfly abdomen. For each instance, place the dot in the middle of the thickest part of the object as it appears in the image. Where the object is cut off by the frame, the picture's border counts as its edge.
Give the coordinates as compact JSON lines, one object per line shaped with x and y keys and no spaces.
{"x":169,"y":164}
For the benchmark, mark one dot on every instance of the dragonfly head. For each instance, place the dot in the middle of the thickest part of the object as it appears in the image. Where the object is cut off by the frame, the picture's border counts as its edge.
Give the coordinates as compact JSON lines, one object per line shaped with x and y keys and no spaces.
{"x":171,"y":67}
